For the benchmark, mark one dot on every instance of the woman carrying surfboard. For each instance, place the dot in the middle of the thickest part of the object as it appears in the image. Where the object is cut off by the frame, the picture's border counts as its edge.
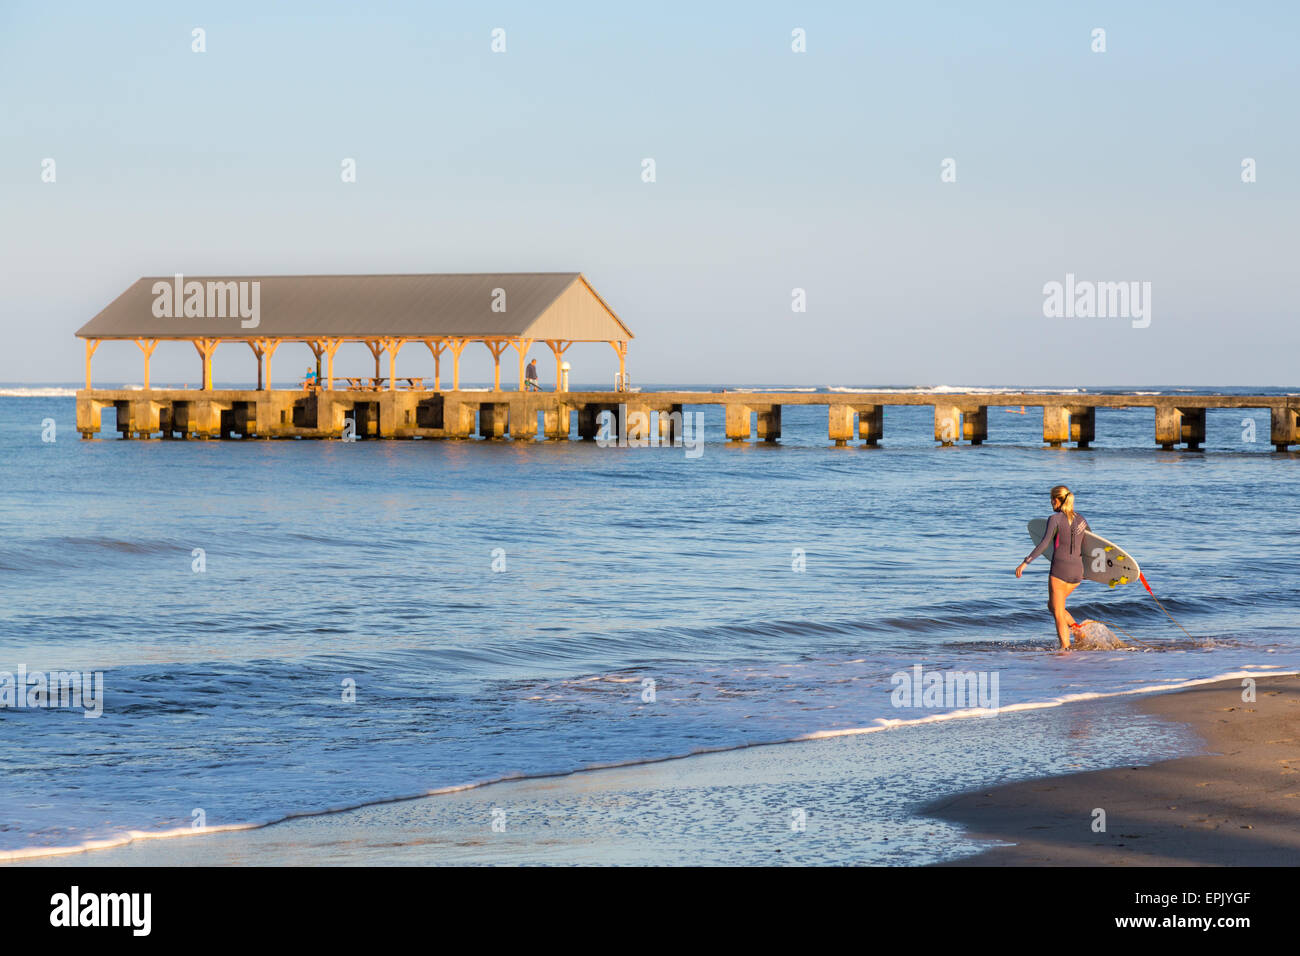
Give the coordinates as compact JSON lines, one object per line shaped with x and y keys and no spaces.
{"x":1066,"y":528}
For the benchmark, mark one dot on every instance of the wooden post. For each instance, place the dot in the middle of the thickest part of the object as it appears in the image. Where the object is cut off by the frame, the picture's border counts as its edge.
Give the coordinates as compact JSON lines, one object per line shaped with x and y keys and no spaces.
{"x":457,"y":345}
{"x":205,"y":348}
{"x":522,"y":345}
{"x":437,"y":347}
{"x":331,"y":346}
{"x":317,"y":347}
{"x":558,"y":346}
{"x":268,"y":349}
{"x":376,"y":346}
{"x":496,"y":347}
{"x":393,"y":346}
{"x":621,"y":349}
{"x":91,"y":345}
{"x":256,"y":346}
{"x":146,"y":346}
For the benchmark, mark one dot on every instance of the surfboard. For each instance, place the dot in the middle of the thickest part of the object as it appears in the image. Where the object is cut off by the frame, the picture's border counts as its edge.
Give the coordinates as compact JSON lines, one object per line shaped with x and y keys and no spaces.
{"x":1103,"y":561}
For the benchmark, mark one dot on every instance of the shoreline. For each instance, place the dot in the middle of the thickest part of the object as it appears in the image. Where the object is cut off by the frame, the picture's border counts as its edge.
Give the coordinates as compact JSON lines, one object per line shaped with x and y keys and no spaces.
{"x":1236,"y":804}
{"x":588,"y":816}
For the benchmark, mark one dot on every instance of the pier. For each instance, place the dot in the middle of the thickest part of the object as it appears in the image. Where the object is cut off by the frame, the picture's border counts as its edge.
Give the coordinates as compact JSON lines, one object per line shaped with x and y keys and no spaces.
{"x":463,"y":414}
{"x":446,"y":313}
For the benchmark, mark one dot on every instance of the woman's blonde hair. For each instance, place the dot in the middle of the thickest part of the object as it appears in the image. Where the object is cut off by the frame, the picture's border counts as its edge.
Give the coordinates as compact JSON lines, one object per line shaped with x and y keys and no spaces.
{"x":1066,"y":497}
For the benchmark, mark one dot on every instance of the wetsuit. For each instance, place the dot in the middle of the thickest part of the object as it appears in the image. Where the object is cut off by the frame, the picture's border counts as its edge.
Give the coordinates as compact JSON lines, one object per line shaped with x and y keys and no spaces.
{"x":1067,"y":560}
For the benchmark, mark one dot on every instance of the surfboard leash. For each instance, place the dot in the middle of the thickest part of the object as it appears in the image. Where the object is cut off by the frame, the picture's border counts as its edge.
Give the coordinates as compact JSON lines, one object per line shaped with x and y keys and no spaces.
{"x":1115,"y":627}
{"x":1143,"y":578}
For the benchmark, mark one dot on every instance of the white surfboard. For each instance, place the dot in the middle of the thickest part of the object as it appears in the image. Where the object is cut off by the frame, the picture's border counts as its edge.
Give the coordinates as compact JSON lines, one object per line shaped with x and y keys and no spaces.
{"x":1103,"y":561}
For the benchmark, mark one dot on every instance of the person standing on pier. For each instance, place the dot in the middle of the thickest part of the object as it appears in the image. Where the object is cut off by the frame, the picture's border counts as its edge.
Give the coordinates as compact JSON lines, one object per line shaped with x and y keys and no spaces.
{"x":530,"y":377}
{"x":1066,"y":528}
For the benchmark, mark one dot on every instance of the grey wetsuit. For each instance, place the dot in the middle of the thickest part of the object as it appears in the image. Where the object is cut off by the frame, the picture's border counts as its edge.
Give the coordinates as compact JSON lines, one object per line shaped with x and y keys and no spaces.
{"x":1067,"y":560}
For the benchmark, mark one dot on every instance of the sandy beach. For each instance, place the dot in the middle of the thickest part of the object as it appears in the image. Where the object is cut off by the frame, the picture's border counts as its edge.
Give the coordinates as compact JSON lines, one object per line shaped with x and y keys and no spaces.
{"x":1238,"y":803}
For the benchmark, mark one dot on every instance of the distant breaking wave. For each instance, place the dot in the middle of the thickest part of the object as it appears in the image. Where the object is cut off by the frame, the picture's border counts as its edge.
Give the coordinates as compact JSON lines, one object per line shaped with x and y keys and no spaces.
{"x":953,"y":390}
{"x":38,"y":392}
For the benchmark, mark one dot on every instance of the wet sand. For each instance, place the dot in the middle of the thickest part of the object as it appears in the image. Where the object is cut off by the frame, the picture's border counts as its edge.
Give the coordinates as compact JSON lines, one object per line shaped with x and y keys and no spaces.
{"x":1238,"y":805}
{"x":866,"y":799}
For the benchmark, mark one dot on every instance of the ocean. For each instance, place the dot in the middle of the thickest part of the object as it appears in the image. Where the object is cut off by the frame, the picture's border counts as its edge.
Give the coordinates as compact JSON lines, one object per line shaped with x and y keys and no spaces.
{"x":292,"y":627}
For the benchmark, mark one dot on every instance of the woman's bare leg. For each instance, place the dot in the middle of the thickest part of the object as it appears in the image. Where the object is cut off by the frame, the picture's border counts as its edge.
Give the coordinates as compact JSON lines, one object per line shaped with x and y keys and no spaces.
{"x":1057,"y":592}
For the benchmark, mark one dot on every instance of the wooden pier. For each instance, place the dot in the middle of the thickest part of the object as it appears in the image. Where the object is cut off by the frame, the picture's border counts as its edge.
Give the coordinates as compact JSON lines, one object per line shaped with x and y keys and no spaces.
{"x":462,"y":414}
{"x":501,"y":311}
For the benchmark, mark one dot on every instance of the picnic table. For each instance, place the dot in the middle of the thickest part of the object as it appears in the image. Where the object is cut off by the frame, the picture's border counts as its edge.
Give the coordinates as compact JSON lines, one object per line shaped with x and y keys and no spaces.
{"x":374,"y":383}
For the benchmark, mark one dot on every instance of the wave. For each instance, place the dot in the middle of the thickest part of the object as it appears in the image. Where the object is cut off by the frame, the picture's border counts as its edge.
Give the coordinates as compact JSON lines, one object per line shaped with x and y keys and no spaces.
{"x":36,"y":392}
{"x":880,"y":724}
{"x":955,"y":390}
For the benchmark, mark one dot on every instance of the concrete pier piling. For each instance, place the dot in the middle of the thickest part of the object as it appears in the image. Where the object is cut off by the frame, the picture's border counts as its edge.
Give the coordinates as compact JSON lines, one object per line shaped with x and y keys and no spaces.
{"x":1284,"y":428}
{"x":839,"y":426}
{"x":768,"y":420}
{"x":1063,"y":424}
{"x":737,"y":424}
{"x":1175,"y":425}
{"x":555,"y":422}
{"x":423,"y":413}
{"x":670,"y":424}
{"x":975,"y":424}
{"x":637,"y":421}
{"x":871,"y":423}
{"x":953,"y":423}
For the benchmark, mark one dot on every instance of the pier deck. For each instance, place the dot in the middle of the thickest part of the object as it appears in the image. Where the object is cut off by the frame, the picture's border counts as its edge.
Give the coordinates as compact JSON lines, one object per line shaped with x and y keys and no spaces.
{"x":459,"y":414}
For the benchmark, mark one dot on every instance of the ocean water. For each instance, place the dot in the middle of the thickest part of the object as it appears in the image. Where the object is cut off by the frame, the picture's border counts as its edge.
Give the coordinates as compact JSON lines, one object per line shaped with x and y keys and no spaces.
{"x":500,"y":609}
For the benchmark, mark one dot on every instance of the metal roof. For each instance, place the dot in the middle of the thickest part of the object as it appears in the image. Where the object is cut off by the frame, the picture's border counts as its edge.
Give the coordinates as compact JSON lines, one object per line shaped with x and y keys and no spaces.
{"x":537,"y":305}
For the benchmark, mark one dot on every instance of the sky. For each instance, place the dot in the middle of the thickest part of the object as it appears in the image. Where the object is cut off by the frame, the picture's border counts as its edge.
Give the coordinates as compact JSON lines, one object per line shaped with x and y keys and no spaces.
{"x":775,"y":170}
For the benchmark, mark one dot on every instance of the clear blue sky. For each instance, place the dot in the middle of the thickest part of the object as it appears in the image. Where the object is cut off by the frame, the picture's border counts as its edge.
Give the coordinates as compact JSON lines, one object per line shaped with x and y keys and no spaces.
{"x":775,"y":170}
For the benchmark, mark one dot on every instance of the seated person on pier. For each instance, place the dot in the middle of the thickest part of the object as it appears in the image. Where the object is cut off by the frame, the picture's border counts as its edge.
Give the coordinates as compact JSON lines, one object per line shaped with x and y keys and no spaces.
{"x":309,"y":380}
